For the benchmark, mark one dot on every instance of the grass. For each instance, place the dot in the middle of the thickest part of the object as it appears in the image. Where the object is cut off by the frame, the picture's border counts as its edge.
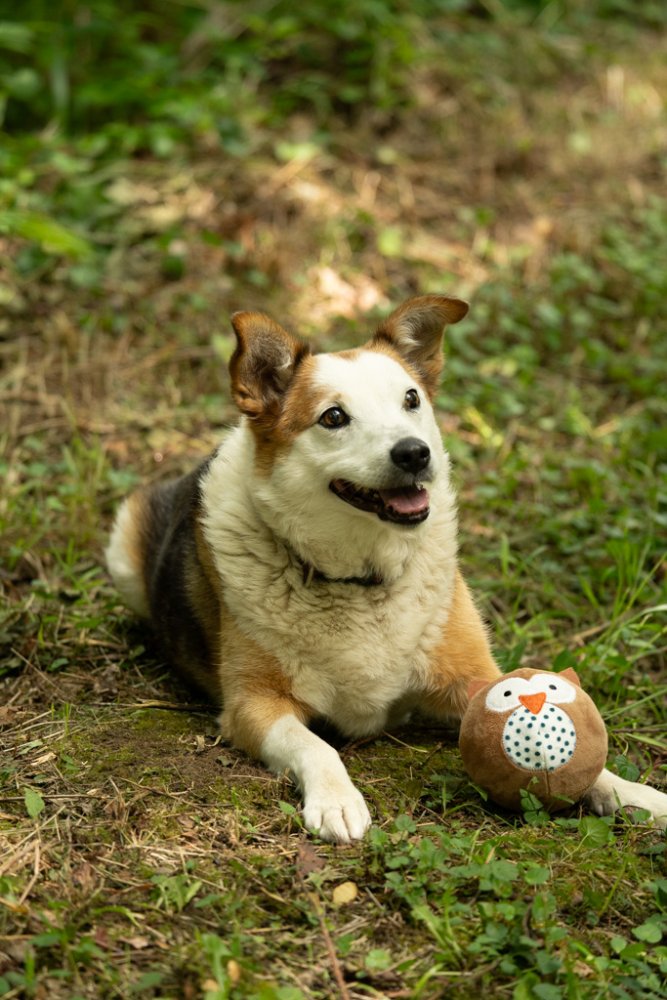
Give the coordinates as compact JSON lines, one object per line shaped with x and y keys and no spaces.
{"x":508,"y":153}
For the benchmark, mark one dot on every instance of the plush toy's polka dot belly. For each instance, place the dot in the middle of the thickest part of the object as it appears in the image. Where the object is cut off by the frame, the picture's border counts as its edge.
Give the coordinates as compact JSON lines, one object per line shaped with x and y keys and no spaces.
{"x":539,"y":742}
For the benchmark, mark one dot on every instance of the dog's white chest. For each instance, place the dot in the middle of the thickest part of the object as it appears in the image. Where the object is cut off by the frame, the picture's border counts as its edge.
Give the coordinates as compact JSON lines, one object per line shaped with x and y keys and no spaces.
{"x":349,"y":654}
{"x":354,"y":668}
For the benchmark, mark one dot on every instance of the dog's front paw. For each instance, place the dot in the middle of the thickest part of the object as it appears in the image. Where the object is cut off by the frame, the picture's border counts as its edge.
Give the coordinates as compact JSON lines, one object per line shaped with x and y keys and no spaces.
{"x":337,"y":813}
{"x":610,"y":793}
{"x":332,"y":806}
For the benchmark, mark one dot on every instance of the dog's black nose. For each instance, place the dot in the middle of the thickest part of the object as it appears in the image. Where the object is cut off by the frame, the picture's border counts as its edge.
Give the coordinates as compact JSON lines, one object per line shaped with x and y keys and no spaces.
{"x":411,"y":454}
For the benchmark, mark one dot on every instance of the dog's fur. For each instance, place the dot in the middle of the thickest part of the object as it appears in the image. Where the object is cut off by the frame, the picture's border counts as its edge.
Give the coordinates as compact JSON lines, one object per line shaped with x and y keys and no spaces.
{"x":290,"y":595}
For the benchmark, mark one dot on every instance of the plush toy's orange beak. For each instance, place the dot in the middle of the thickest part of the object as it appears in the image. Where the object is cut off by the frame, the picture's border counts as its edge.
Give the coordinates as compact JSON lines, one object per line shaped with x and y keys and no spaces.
{"x":533,"y":702}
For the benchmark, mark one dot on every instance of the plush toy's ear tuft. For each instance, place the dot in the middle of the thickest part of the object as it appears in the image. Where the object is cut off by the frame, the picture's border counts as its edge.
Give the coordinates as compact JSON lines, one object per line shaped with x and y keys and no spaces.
{"x":474,"y":687}
{"x":571,"y":675}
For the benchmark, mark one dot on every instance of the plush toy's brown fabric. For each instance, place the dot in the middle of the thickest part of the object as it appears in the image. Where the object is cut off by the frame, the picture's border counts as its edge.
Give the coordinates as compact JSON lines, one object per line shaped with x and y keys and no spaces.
{"x":489,"y":765}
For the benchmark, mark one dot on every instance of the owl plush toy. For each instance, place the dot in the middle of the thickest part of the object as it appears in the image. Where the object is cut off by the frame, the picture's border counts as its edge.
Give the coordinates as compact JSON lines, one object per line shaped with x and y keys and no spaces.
{"x":533,"y":730}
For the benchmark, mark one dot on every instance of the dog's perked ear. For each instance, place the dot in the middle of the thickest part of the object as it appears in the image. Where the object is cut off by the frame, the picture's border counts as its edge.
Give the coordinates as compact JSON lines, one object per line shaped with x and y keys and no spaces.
{"x":263,"y":364}
{"x":415,"y":331}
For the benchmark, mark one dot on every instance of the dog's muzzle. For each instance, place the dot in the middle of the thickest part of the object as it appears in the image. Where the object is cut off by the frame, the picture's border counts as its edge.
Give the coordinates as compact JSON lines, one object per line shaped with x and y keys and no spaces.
{"x":408,"y":503}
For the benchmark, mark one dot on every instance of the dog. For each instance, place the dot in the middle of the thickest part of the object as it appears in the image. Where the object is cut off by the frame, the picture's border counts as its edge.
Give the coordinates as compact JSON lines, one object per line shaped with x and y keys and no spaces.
{"x":307,"y":570}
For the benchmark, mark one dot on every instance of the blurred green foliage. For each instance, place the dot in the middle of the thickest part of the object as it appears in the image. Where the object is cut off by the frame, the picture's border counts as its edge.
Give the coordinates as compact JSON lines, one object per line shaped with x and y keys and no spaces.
{"x":84,"y":84}
{"x":145,"y":75}
{"x":113,"y":64}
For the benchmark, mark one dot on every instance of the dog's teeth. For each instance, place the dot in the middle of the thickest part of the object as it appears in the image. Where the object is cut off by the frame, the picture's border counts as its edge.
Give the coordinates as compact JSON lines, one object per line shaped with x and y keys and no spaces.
{"x":418,"y":485}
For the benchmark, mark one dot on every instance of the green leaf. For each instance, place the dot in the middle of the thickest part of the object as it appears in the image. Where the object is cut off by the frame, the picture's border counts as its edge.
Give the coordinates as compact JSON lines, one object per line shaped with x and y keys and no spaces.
{"x":546,"y":991}
{"x":651,"y":930}
{"x":536,"y":874}
{"x":625,"y":768}
{"x":50,"y":235}
{"x":595,"y":831}
{"x":524,"y":988}
{"x":618,"y":943}
{"x":377,"y":960}
{"x":300,"y":151}
{"x":34,"y":802}
{"x":15,"y":37}
{"x":565,"y":659}
{"x":405,"y":824}
{"x":149,"y":980}
{"x":23,"y":84}
{"x":390,"y":241}
{"x":659,"y":888}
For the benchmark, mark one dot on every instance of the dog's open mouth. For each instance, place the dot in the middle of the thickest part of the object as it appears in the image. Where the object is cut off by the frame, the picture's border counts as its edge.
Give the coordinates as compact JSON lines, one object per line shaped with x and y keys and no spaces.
{"x":402,"y":505}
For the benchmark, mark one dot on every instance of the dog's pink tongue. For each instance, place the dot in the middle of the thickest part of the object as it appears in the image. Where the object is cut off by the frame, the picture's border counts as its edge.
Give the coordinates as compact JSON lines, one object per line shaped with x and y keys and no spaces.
{"x":408,"y":500}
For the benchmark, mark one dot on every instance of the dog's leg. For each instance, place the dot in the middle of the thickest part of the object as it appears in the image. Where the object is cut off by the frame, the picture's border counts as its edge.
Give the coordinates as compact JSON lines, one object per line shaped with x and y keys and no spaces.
{"x":262,"y":718}
{"x":332,"y":806}
{"x":610,"y":793}
{"x":462,"y":655}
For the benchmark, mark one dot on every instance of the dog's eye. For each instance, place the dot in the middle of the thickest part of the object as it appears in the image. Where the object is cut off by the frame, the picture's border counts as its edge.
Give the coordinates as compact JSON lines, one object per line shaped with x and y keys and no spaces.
{"x":412,"y":400}
{"x":334,"y":417}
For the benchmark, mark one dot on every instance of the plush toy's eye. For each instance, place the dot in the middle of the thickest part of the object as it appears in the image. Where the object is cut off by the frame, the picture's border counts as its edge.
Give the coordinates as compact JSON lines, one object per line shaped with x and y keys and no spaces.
{"x":557,"y":689}
{"x":505,"y":696}
{"x":412,"y":400}
{"x":334,"y":417}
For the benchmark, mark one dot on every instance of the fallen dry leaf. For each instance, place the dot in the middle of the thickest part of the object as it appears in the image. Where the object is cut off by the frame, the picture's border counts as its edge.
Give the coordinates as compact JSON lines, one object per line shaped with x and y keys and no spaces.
{"x":7,"y":715}
{"x":345,"y":893}
{"x":233,"y":971}
{"x":308,"y":860}
{"x":137,"y":942}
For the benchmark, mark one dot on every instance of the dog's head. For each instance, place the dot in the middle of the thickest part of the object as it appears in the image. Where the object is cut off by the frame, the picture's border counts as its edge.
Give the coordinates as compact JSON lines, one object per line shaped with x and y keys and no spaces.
{"x":354,"y":429}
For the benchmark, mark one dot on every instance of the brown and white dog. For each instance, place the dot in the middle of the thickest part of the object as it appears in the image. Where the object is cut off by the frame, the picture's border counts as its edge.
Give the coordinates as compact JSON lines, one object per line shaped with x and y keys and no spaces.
{"x":308,"y":569}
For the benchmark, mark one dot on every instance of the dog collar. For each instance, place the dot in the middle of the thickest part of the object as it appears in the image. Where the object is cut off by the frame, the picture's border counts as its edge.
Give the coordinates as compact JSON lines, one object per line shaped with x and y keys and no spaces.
{"x":310,"y":574}
{"x":313,"y":575}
